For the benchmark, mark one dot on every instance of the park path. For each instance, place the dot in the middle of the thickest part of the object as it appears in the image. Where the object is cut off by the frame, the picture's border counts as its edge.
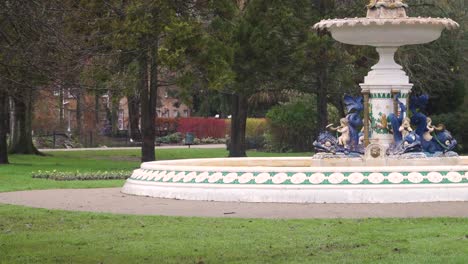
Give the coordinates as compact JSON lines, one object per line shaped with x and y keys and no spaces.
{"x":111,"y":200}
{"x":207,"y":146}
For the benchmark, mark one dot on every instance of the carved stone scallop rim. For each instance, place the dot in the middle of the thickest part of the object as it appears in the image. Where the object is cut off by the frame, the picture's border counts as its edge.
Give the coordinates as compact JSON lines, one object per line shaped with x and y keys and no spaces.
{"x":364,"y":21}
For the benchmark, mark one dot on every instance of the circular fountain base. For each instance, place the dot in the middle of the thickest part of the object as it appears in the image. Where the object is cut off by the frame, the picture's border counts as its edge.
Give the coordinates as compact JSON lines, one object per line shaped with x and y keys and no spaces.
{"x":294,"y":180}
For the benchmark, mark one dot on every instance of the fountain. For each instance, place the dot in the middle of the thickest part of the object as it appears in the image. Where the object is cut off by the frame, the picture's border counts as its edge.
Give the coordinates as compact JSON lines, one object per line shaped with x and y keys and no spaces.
{"x":394,"y":158}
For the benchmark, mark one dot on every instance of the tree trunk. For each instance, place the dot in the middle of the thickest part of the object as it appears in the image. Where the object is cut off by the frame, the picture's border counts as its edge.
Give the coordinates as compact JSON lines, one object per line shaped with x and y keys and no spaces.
{"x":114,"y":114}
{"x":149,"y":87}
{"x":61,"y":110}
{"x":322,"y":113}
{"x":322,"y":102}
{"x":22,"y":142}
{"x":322,"y":76}
{"x":134,"y":117}
{"x":12,"y":123}
{"x":97,"y":109}
{"x":3,"y":127}
{"x":238,"y":125}
{"x":79,"y":111}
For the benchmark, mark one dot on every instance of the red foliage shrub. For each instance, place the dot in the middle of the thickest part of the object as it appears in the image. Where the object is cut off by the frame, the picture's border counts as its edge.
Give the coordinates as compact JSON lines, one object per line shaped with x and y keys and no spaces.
{"x":165,"y":126}
{"x":202,"y":127}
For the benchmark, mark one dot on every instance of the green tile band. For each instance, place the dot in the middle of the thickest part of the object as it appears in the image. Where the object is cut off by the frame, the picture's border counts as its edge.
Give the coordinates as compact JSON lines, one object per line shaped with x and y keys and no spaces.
{"x":385,"y":95}
{"x":304,"y":178}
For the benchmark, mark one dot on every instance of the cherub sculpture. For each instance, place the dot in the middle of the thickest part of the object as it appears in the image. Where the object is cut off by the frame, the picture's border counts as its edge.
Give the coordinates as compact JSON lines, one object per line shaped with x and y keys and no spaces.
{"x":431,"y":128}
{"x":343,"y":129}
{"x":405,"y":127}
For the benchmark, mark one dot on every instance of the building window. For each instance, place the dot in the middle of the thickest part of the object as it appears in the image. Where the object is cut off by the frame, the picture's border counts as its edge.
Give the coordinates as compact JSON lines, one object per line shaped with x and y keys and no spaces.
{"x":186,"y":113}
{"x":176,"y":113}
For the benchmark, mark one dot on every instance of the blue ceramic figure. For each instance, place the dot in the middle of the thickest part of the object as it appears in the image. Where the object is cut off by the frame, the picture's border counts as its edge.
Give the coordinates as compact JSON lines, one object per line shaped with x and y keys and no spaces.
{"x":348,"y":139}
{"x":434,"y":139}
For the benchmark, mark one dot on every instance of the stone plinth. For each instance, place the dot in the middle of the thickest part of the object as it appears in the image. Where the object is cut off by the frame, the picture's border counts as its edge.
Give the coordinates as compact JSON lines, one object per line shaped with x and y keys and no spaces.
{"x":290,"y":180}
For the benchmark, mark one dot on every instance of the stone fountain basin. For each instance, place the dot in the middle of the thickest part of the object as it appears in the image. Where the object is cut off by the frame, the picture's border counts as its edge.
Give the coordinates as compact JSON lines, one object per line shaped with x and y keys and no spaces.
{"x":386,"y":32}
{"x":294,"y":180}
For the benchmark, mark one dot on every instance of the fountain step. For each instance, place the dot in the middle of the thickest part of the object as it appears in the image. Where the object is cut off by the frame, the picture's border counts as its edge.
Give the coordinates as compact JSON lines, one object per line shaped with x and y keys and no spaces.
{"x":281,"y":180}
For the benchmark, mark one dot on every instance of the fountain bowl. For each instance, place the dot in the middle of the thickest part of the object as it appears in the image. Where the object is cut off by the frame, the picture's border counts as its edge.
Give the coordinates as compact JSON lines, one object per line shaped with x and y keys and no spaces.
{"x":386,"y":32}
{"x":294,"y":180}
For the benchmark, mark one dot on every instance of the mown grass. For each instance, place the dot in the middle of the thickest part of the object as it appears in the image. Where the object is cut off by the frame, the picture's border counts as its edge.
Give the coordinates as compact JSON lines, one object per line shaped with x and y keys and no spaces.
{"x":44,"y":236}
{"x":17,"y":175}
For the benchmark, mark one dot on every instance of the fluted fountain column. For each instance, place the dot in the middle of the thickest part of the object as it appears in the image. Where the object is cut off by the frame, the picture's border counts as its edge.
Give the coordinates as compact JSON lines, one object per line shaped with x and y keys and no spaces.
{"x":385,"y":78}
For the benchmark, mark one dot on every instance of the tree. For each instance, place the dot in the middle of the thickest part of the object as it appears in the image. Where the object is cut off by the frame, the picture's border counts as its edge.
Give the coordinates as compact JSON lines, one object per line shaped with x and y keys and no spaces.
{"x":27,"y":55}
{"x":3,"y":126}
{"x":267,"y":47}
{"x":330,"y":68}
{"x":259,"y":39}
{"x":439,"y":68}
{"x":143,"y":29}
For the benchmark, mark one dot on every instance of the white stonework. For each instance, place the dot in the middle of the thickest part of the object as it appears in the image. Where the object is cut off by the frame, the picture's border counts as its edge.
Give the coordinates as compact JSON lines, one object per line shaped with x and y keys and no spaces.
{"x":293,"y":180}
{"x":387,"y":33}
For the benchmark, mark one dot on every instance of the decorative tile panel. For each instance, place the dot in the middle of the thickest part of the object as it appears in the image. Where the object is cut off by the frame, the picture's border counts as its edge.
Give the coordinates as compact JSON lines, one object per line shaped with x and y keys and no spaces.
{"x":301,"y":178}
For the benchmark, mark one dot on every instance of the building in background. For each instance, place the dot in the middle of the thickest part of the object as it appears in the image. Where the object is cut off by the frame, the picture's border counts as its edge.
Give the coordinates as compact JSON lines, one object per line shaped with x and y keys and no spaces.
{"x":57,"y":110}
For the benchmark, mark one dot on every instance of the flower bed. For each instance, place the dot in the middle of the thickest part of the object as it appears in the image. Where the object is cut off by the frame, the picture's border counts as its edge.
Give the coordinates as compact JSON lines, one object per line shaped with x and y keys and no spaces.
{"x":81,"y":176}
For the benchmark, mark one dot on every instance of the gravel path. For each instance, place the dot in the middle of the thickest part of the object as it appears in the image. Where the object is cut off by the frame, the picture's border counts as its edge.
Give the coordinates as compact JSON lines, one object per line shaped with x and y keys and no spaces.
{"x":110,"y":200}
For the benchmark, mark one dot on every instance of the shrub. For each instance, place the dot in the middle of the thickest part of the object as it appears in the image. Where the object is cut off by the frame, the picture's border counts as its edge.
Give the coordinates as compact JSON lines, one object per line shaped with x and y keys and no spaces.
{"x":220,"y":140}
{"x":292,"y":125}
{"x":255,"y":142}
{"x":165,"y":126}
{"x":255,"y":127}
{"x":61,"y":141}
{"x":202,"y":127}
{"x":255,"y":130}
{"x":173,"y":138}
{"x":208,"y":140}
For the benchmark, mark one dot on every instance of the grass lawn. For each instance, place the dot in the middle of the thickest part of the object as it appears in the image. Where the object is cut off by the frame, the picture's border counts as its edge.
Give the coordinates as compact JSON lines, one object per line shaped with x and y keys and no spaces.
{"x":44,"y":236}
{"x":29,"y":235}
{"x":17,"y":175}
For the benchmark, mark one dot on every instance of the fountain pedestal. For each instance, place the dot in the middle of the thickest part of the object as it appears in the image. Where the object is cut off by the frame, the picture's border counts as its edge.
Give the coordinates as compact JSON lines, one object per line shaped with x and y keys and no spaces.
{"x":386,"y":78}
{"x":387,"y":71}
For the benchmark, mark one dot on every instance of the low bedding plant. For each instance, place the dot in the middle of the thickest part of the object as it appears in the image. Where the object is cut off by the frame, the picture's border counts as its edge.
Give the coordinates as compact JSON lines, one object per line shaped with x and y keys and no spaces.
{"x":81,"y":176}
